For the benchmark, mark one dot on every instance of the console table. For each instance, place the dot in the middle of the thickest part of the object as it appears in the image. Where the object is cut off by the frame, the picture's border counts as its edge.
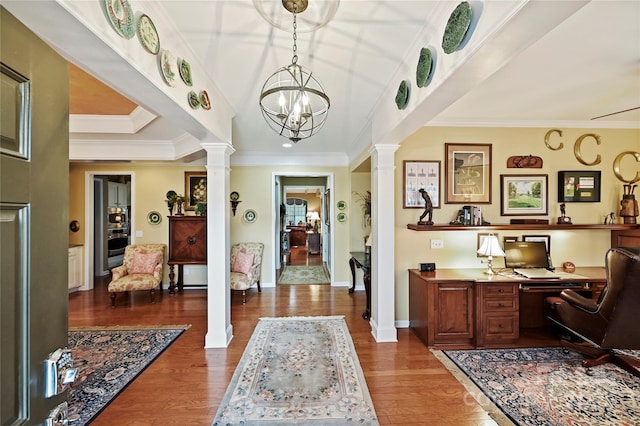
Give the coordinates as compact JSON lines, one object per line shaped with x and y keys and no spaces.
{"x":362,"y":260}
{"x":464,"y":308}
{"x":187,"y":245}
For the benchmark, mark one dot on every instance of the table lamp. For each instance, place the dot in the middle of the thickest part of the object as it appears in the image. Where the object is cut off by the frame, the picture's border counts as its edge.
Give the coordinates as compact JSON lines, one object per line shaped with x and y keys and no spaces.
{"x":490,"y":247}
{"x":315,"y":217}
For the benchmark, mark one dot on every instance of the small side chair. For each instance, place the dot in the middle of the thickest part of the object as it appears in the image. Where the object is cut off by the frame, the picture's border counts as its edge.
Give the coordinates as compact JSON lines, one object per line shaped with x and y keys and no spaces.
{"x":246,"y":267}
{"x":142,"y":269}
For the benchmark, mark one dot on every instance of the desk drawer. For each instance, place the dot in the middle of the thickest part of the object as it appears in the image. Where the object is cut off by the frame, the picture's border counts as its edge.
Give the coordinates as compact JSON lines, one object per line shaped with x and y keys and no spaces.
{"x":505,"y":304}
{"x":500,"y":328}
{"x":497,"y":290}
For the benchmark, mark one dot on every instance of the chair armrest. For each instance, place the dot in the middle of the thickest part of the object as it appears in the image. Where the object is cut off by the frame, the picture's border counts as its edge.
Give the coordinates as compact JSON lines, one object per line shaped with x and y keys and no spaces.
{"x":579,"y":301}
{"x":118,"y":272}
{"x":157,"y":272}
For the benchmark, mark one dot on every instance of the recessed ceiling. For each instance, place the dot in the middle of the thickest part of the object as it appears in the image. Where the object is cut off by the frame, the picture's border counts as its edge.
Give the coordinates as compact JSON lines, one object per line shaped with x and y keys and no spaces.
{"x":526,"y":64}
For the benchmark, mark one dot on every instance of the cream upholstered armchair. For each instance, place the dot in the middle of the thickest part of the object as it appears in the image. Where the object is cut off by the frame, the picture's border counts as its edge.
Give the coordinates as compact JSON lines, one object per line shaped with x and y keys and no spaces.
{"x":246,"y":267}
{"x":142,"y":269}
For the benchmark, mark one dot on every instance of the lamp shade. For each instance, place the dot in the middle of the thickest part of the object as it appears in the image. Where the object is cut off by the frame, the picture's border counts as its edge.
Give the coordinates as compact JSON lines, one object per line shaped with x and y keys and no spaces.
{"x":313,"y":216}
{"x":490,"y":247}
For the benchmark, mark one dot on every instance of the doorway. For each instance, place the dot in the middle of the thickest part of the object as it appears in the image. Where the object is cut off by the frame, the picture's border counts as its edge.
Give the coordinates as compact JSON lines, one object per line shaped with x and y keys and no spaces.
{"x":110,"y":219}
{"x":302,"y":232}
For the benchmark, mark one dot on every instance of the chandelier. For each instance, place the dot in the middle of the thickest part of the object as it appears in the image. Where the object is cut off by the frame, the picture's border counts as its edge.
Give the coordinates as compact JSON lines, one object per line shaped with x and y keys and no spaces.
{"x":292,"y":99}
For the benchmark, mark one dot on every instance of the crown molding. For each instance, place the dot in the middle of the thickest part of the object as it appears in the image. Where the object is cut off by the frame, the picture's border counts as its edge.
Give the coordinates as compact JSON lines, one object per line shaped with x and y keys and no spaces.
{"x":120,"y":124}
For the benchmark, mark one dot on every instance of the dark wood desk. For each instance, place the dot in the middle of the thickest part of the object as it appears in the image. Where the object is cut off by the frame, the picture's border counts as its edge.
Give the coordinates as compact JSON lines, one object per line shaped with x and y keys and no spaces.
{"x":465,"y":308}
{"x":362,"y":260}
{"x":187,"y":245}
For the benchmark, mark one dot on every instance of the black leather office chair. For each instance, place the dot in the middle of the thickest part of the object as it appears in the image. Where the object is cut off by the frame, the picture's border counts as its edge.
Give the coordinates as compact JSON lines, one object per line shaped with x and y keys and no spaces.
{"x":611,"y":322}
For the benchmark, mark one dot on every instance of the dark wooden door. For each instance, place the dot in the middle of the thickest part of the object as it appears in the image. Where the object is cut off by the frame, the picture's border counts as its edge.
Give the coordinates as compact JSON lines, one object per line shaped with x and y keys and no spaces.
{"x":34,"y":212}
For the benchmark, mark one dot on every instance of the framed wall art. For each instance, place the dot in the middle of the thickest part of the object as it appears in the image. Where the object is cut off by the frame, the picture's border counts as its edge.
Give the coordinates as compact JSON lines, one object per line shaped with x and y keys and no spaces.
{"x":467,"y":173}
{"x":579,"y":186}
{"x":420,"y":175}
{"x":522,"y":195}
{"x":195,"y":189}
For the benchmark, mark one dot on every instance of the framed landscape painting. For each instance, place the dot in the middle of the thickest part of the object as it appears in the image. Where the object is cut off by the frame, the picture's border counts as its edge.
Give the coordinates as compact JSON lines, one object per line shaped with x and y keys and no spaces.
{"x":523,"y":195}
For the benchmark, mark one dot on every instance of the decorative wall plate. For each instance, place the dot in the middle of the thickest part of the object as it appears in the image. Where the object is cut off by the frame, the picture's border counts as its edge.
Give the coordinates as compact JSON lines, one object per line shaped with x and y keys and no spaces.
{"x":194,"y":100}
{"x":204,"y":100}
{"x":341,"y":205}
{"x":457,"y":27}
{"x":169,"y":68}
{"x":154,"y":218}
{"x":121,"y":17}
{"x":423,"y":70}
{"x":185,"y":72}
{"x":342,"y":217}
{"x":250,"y":216}
{"x":402,"y":97}
{"x":148,"y":35}
{"x":524,"y":162}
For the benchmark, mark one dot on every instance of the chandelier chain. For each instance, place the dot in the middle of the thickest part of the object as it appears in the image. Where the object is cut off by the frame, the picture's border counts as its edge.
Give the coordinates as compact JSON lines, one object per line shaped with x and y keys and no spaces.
{"x":295,"y":36}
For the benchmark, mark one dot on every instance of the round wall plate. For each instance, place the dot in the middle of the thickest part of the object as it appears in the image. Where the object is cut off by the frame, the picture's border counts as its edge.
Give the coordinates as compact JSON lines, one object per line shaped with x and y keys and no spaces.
{"x":402,"y":96}
{"x":341,"y":205}
{"x":342,"y":217}
{"x":250,"y":216}
{"x":154,"y":218}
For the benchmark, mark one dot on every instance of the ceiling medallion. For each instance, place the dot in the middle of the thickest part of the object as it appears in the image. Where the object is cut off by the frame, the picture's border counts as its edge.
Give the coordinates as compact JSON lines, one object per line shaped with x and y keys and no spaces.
{"x":317,"y":13}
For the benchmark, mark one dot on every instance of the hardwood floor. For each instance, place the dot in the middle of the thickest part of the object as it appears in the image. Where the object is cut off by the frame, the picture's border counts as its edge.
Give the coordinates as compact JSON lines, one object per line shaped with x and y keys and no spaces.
{"x":184,"y":386}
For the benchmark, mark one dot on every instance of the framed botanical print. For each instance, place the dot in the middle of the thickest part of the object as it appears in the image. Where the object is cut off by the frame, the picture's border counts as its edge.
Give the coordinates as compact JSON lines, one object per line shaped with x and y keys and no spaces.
{"x":467,"y":173}
{"x":195,"y":189}
{"x":420,"y":175}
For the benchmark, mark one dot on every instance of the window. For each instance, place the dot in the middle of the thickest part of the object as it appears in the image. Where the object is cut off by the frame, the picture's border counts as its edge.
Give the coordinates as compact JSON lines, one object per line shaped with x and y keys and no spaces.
{"x":296,"y":211}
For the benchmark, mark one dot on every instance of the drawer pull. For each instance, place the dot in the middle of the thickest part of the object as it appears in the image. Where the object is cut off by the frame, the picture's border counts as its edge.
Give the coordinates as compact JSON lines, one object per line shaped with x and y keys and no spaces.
{"x":500,"y":325}
{"x":500,"y":290}
{"x":501,"y":305}
{"x":191,"y":240}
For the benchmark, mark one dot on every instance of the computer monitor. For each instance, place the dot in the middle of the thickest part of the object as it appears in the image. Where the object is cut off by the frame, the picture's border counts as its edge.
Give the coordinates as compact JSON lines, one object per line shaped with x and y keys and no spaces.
{"x":525,"y":254}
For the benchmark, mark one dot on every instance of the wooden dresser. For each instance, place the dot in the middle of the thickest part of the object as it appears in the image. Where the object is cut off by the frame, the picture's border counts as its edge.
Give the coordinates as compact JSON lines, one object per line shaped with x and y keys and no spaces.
{"x":187,"y":245}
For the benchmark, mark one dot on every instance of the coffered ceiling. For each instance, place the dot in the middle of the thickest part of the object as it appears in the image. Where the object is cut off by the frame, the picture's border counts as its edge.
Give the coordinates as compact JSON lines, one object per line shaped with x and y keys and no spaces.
{"x":524,"y":64}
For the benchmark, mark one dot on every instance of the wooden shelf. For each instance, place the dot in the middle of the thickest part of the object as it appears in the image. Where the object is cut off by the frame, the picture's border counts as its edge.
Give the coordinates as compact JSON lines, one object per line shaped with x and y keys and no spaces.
{"x":519,"y":226}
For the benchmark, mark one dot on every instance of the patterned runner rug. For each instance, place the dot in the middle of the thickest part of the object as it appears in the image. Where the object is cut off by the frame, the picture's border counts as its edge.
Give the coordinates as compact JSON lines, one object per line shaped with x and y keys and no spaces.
{"x":298,"y":370}
{"x":108,"y":359}
{"x":546,"y":386}
{"x":304,"y":275}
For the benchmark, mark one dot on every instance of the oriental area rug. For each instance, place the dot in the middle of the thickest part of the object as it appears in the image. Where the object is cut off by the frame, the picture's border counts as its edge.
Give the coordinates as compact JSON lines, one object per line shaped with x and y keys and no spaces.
{"x":546,"y":386}
{"x":298,"y":370}
{"x":304,"y":275}
{"x":108,"y":359}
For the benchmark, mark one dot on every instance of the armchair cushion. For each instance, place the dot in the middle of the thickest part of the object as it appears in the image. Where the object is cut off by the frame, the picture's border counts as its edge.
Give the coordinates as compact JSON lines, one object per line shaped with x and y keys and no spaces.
{"x":243,"y":262}
{"x":144,"y":263}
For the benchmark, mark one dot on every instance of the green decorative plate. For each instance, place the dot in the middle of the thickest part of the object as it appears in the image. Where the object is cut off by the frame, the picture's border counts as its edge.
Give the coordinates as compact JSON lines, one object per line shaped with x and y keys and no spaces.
{"x":342,"y":217}
{"x":402,"y":97}
{"x":194,"y":100}
{"x":121,"y":17}
{"x":425,"y":64}
{"x":457,"y":27}
{"x":148,"y":35}
{"x":154,"y":218}
{"x":185,"y":72}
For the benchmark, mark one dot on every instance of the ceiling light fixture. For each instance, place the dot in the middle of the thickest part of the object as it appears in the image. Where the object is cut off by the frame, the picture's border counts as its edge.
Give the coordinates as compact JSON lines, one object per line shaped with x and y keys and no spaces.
{"x":292,"y":99}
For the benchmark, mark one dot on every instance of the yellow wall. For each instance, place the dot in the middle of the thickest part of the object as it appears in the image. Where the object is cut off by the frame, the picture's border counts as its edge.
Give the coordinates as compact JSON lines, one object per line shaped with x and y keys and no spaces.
{"x":584,"y":248}
{"x":255,"y":186}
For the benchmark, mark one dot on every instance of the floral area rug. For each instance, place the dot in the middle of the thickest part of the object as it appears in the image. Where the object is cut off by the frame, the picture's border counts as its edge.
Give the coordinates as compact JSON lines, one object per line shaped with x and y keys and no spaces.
{"x":304,"y":275}
{"x":108,"y":359}
{"x":298,"y":370}
{"x":546,"y":386}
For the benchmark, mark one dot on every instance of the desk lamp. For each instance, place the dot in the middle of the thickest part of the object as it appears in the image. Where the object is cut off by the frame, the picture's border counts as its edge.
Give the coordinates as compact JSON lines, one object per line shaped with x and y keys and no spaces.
{"x":490,"y":247}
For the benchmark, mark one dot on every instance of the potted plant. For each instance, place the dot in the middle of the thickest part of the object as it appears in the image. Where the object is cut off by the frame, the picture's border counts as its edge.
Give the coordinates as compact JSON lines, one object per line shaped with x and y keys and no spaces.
{"x":365,"y":203}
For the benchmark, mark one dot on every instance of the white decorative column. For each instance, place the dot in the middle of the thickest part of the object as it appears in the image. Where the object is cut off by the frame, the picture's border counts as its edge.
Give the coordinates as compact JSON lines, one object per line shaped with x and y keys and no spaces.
{"x":219,"y":329}
{"x":383,"y":288}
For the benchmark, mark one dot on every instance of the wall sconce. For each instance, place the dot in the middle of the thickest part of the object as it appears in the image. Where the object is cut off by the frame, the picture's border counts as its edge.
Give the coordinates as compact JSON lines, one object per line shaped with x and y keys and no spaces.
{"x":234,"y":201}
